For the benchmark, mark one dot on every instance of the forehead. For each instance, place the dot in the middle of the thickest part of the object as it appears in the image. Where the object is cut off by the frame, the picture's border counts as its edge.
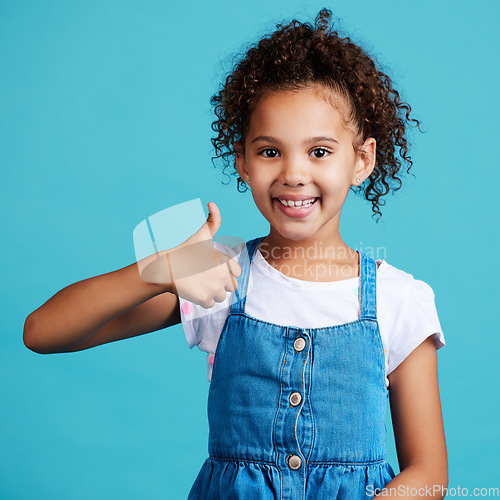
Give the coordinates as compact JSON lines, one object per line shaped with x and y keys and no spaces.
{"x":313,"y":108}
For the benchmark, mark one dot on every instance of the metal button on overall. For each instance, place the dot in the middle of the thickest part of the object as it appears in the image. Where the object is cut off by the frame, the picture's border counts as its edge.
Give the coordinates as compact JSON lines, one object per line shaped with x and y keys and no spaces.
{"x":295,"y":398}
{"x":299,"y":344}
{"x":294,"y":462}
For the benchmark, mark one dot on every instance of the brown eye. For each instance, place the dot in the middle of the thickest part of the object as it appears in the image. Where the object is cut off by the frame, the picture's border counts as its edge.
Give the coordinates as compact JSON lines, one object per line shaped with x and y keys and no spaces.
{"x":325,"y":151}
{"x":268,"y":149}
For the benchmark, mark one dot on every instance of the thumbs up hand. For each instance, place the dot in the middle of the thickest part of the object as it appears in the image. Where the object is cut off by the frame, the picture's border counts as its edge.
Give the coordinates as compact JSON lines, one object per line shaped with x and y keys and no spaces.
{"x":195,"y":270}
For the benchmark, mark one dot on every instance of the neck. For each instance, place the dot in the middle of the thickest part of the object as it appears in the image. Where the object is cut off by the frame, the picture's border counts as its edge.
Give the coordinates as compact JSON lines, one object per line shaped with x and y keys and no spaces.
{"x":310,"y":259}
{"x":316,"y":248}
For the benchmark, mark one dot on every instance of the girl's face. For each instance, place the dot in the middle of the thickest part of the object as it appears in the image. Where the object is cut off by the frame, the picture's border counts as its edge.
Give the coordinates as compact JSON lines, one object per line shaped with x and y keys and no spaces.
{"x":298,"y":149}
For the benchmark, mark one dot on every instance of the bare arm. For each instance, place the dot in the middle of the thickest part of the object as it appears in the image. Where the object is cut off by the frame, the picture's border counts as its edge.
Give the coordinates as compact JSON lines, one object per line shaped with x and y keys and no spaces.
{"x":418,"y":426}
{"x":98,"y":310}
{"x":138,"y":299}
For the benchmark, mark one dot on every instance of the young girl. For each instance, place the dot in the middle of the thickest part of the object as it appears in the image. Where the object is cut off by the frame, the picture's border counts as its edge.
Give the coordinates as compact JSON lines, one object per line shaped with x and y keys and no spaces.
{"x":306,"y":338}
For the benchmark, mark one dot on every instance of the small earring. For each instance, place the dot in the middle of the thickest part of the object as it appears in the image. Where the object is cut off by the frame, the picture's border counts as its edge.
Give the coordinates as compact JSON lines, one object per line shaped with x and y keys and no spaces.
{"x":357,"y":180}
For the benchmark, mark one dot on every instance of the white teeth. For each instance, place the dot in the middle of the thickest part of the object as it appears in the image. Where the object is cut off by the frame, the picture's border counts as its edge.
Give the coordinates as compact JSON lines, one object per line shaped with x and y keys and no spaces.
{"x":296,"y":204}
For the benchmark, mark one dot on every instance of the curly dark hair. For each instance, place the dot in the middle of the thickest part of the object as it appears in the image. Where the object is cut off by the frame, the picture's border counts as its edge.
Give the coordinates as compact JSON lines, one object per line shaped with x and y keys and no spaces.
{"x":297,"y":55}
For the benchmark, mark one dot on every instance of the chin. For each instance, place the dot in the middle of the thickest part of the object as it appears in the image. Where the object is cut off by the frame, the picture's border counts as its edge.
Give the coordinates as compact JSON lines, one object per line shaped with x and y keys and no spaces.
{"x":294,"y":235}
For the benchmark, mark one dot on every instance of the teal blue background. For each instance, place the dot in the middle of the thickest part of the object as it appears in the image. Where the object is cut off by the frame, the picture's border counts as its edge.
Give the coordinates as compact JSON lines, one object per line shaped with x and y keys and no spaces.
{"x":105,"y":120}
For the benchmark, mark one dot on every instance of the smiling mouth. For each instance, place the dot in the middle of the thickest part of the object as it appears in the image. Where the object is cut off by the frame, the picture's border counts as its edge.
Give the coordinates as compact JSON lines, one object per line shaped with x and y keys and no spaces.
{"x":297,"y":204}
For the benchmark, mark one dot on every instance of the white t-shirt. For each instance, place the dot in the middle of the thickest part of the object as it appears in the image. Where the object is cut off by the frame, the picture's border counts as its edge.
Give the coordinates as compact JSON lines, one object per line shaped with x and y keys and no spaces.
{"x":406,"y":311}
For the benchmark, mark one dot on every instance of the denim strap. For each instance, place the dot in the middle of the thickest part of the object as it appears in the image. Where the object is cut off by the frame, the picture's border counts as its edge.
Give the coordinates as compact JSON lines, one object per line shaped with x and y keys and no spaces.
{"x":368,"y":274}
{"x":239,"y":297}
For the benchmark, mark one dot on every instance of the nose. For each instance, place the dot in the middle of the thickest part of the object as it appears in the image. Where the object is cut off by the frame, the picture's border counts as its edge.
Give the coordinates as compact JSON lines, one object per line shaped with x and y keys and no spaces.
{"x":294,"y":171}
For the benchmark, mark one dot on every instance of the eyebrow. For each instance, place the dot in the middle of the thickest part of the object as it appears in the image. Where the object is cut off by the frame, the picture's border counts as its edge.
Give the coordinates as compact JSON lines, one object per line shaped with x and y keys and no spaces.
{"x":266,"y":138}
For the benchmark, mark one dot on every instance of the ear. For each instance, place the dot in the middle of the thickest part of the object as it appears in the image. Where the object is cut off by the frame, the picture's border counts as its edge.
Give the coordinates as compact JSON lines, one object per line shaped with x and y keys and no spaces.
{"x":365,"y":162}
{"x":239,"y":159}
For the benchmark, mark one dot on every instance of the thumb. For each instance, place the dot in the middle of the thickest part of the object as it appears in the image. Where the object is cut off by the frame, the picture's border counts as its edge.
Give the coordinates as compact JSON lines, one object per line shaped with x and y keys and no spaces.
{"x":214,"y":218}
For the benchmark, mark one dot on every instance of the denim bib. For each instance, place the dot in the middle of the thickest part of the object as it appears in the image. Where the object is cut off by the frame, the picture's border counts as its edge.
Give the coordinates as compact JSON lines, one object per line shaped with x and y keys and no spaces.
{"x":296,"y":413}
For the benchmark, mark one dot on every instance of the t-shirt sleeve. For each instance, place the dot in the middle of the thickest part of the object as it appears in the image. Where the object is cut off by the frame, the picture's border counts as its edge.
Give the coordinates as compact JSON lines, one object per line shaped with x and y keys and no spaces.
{"x":418,"y":319}
{"x":191,"y":322}
{"x":202,"y":326}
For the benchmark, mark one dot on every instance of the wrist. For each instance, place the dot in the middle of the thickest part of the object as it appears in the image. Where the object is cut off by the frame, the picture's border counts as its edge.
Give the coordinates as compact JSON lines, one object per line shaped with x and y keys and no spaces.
{"x":150,"y":285}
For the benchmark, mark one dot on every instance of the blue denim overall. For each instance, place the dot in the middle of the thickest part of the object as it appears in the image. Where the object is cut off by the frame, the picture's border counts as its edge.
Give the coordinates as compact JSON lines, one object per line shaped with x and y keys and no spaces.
{"x":296,"y":413}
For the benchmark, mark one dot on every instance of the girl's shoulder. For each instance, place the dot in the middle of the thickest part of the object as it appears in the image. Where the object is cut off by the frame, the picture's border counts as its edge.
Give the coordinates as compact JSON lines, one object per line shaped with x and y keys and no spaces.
{"x":402,"y":291}
{"x":406,"y":303}
{"x":407,"y":313}
{"x":394,"y":278}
